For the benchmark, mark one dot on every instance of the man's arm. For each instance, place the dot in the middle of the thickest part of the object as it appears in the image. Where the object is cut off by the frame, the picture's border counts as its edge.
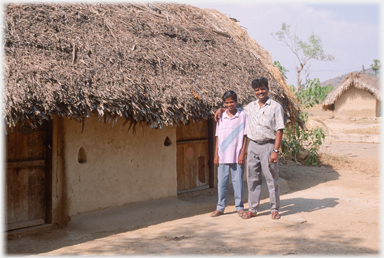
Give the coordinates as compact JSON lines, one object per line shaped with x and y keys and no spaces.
{"x":279,"y":136}
{"x":218,"y":113}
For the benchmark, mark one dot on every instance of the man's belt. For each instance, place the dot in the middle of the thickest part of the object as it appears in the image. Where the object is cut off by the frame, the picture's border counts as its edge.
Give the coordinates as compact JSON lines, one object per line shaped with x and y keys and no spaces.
{"x":264,"y":142}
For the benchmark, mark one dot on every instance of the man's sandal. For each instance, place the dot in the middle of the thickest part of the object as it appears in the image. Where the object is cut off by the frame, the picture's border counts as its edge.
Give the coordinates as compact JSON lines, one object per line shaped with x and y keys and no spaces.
{"x":248,"y":215}
{"x":216,"y":213}
{"x":275,"y":215}
{"x":240,"y":212}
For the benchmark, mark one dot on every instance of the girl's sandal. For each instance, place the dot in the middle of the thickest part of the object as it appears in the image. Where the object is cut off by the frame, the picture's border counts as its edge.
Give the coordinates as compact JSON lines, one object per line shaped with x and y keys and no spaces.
{"x":216,"y":213}
{"x":248,"y":215}
{"x":241,"y":213}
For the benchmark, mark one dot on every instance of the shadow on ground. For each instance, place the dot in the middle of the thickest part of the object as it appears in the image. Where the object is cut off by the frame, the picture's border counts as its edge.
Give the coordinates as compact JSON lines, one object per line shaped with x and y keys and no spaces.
{"x":204,"y":238}
{"x":300,"y":177}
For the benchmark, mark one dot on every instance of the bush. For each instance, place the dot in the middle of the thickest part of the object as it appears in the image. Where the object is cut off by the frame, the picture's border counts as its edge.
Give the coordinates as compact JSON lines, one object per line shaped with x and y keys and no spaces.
{"x":295,"y":138}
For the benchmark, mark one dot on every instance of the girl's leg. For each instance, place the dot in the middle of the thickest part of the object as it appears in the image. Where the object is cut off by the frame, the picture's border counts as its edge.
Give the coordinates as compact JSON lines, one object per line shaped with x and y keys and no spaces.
{"x":222,"y":186}
{"x":237,"y":172}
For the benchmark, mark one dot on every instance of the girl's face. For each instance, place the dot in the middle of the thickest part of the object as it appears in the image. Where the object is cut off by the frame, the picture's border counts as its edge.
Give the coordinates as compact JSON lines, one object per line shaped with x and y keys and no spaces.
{"x":230,"y":103}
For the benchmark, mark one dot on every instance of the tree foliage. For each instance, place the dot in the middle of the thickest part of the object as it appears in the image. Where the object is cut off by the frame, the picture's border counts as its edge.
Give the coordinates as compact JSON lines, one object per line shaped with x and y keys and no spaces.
{"x":312,"y":94}
{"x":376,"y":65}
{"x":304,"y":51}
{"x":281,"y":68}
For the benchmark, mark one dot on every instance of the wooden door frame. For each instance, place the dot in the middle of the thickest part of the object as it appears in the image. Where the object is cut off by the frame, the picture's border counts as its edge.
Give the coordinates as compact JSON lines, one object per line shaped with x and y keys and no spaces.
{"x":211,"y":151}
{"x":48,"y":171}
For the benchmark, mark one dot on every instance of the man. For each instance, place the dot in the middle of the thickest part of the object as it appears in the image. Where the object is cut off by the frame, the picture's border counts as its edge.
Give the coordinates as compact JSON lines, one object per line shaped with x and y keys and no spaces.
{"x":265,"y":129}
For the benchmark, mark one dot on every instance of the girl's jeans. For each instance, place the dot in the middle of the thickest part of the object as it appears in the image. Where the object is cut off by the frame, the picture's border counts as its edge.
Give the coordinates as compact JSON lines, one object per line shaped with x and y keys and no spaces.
{"x":237,"y":172}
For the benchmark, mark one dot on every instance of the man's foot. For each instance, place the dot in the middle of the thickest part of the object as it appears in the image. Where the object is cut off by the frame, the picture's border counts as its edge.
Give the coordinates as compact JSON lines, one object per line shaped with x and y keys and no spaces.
{"x":248,"y":214}
{"x":275,"y":215}
{"x":240,"y":212}
{"x":216,"y":213}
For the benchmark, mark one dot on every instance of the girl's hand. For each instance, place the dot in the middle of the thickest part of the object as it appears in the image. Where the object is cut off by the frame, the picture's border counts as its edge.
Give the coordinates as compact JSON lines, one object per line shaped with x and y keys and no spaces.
{"x":216,"y":161}
{"x":241,"y":160}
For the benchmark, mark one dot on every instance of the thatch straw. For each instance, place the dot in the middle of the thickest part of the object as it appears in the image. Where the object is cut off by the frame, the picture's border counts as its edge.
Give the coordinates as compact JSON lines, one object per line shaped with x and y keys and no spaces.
{"x":158,"y":63}
{"x":359,"y":80}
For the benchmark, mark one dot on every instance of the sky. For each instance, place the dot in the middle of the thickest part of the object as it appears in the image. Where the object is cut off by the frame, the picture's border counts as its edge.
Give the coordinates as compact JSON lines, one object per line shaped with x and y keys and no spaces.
{"x":349,"y":30}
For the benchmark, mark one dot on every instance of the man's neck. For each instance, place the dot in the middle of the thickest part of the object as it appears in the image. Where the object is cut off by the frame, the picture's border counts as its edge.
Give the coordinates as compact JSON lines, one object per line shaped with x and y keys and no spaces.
{"x":262,"y":102}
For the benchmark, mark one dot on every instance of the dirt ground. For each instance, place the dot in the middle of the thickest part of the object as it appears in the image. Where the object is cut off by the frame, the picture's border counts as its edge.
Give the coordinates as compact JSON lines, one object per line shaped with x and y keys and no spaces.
{"x":330,"y":209}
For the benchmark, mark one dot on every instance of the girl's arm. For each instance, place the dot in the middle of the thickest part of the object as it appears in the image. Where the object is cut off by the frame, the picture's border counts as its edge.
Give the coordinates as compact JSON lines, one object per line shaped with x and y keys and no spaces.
{"x":241,"y":159}
{"x":216,"y":161}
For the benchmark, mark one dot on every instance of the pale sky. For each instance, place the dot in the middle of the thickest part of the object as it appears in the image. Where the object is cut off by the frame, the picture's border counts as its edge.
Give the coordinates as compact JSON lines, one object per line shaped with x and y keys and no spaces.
{"x":350,"y":31}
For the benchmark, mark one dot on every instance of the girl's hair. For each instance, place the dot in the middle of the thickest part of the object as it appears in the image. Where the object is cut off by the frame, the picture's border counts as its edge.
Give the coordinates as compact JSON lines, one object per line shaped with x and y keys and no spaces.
{"x":230,"y":94}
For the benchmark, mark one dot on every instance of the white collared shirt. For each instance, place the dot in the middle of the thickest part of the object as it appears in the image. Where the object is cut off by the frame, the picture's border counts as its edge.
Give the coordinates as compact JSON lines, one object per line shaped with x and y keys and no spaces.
{"x":263,"y":122}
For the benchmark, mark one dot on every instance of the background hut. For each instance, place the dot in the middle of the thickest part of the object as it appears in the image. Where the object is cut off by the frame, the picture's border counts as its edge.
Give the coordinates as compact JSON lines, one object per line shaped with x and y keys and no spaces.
{"x":73,"y":70}
{"x":358,"y":95}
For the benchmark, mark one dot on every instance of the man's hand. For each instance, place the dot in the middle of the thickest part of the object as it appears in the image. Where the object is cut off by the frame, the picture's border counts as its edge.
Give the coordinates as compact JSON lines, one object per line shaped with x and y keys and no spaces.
{"x":279,"y":136}
{"x":218,"y":113}
{"x":273,"y":157}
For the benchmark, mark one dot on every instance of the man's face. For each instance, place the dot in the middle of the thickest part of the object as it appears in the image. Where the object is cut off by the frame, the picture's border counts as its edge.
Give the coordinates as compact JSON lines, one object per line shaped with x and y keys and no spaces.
{"x":261,"y":93}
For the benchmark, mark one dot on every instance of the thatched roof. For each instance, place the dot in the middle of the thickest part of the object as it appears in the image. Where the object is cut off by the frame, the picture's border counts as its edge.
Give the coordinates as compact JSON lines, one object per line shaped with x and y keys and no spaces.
{"x":158,"y":63}
{"x":359,"y":80}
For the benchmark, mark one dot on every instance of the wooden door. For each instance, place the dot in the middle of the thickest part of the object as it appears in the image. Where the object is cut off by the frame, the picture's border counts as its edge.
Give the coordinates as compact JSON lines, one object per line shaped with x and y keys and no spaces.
{"x":26,"y":177}
{"x":193,"y":156}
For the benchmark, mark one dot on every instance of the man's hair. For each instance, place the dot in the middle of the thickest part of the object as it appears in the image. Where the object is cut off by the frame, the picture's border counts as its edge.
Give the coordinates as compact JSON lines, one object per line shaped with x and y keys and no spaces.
{"x":256,"y":83}
{"x":230,"y":94}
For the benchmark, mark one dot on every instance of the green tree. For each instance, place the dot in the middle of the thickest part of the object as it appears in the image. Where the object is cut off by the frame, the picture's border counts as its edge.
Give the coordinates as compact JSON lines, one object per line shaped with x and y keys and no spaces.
{"x":281,"y":68}
{"x":304,"y":51}
{"x":325,"y":90}
{"x":376,"y":65}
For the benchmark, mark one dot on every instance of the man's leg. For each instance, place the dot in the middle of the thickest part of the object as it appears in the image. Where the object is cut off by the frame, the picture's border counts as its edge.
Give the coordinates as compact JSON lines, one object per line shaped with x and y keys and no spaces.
{"x":222,"y":186}
{"x":237,"y":182}
{"x":271,"y":174}
{"x":254,"y":177}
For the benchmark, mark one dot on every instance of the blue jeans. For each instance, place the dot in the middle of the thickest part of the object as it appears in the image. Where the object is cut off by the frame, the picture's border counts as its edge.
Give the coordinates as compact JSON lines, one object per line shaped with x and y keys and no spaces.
{"x":237,"y":172}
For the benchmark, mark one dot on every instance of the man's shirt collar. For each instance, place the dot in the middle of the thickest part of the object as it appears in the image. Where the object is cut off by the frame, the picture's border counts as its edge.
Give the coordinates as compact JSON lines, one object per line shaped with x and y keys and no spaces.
{"x":268,"y":102}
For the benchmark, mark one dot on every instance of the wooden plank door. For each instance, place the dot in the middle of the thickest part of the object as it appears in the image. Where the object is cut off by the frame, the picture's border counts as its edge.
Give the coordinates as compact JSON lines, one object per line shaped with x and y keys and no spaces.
{"x":193,"y":156}
{"x":26,"y":178}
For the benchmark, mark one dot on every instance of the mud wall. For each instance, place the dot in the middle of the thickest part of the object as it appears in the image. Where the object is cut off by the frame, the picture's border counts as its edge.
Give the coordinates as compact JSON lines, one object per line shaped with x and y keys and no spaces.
{"x":109,"y":166}
{"x":356,"y":103}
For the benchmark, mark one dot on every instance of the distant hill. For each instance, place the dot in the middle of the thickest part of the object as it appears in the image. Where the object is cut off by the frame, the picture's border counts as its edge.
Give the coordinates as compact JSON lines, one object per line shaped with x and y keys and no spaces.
{"x":337,"y":80}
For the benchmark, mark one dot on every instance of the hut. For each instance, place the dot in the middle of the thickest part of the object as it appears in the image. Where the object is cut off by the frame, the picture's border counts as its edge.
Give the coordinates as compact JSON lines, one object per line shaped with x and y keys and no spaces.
{"x":110,"y":104}
{"x":358,"y":95}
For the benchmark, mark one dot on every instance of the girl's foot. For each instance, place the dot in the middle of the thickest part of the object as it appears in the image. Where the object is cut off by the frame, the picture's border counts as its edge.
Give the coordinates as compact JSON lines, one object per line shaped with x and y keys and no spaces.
{"x":216,"y":213}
